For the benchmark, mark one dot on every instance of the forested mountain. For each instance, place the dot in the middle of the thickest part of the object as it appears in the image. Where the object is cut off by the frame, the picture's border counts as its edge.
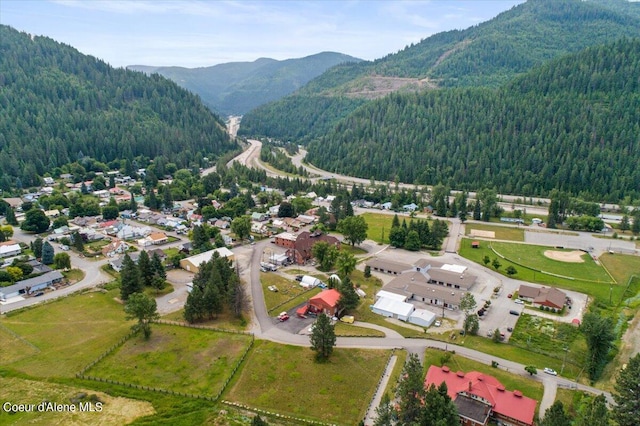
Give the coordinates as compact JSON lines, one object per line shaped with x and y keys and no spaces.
{"x":489,"y":55}
{"x":237,"y":87}
{"x":572,"y":124}
{"x":58,"y":106}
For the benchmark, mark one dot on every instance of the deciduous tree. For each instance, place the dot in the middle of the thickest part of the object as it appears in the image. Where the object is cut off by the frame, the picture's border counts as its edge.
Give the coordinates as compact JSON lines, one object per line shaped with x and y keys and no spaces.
{"x":354,"y":229}
{"x":626,"y":412}
{"x":143,"y":308}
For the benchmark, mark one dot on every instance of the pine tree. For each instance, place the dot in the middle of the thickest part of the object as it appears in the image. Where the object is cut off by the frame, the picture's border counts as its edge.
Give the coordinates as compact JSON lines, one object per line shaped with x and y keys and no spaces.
{"x":323,"y":338}
{"x":626,"y":412}
{"x":477,"y":210}
{"x":410,"y":391}
{"x":36,"y":247}
{"x":47,"y":253}
{"x":556,"y":416}
{"x":145,"y":268}
{"x":158,"y":267}
{"x":130,"y":281}
{"x":78,"y":243}
{"x":10,"y":216}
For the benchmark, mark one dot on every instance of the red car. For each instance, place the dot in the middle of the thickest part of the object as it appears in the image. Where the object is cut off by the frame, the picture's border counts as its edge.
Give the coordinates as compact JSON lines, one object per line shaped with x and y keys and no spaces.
{"x":283,"y":316}
{"x":509,"y":295}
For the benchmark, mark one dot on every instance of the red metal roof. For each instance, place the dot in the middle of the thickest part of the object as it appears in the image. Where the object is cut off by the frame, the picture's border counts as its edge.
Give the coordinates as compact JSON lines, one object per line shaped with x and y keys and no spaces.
{"x":329,"y":297}
{"x":505,"y":403}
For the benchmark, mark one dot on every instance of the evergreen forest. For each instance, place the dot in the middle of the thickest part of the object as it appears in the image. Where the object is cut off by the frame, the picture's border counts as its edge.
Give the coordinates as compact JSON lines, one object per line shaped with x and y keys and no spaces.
{"x":58,"y":106}
{"x":572,"y":124}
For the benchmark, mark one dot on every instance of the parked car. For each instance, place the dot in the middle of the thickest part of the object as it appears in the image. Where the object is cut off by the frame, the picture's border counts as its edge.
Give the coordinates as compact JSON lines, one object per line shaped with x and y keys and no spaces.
{"x":519,"y":301}
{"x":509,"y":329}
{"x":550,"y":371}
{"x":38,"y":294}
{"x":298,"y":277}
{"x":283,"y":316}
{"x":437,"y":323}
{"x":349,"y":319}
{"x":512,"y":312}
{"x":273,"y":288}
{"x":509,"y":295}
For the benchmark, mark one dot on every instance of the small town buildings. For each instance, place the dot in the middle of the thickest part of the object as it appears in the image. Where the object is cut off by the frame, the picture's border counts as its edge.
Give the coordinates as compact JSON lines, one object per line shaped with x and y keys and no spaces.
{"x":308,"y":281}
{"x":543,"y":296}
{"x":388,"y":266}
{"x":116,"y":263}
{"x":482,"y":399}
{"x":158,"y":252}
{"x":285,"y":239}
{"x":325,"y":302}
{"x":393,"y":308}
{"x":301,"y":250}
{"x":259,"y":217}
{"x":30,"y":286}
{"x":192,"y":264}
{"x":114,"y":248}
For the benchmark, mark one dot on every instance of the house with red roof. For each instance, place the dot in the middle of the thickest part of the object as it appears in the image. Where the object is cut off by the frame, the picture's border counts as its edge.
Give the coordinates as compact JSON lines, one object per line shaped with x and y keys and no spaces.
{"x":481,"y":398}
{"x":325,"y":302}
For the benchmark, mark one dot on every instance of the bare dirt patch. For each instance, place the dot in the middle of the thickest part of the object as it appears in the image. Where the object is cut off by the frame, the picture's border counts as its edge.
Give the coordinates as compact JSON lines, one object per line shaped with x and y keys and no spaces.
{"x":482,"y":234}
{"x":565,"y":256}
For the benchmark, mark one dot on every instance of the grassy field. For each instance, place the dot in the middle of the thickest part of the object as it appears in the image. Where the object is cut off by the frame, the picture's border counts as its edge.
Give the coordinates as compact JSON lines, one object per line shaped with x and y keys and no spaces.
{"x":226,"y":320}
{"x":69,"y":333}
{"x":529,"y":387}
{"x":510,"y":233}
{"x":286,"y":379}
{"x":533,"y":256}
{"x":115,"y":410}
{"x":289,"y":294}
{"x":343,"y":329}
{"x":175,"y":358}
{"x":14,"y":347}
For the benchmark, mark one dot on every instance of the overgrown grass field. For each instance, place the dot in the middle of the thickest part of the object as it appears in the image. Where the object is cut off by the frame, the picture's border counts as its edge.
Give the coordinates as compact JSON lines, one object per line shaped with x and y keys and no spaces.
{"x":68,"y":333}
{"x":287,"y":379}
{"x":175,"y":358}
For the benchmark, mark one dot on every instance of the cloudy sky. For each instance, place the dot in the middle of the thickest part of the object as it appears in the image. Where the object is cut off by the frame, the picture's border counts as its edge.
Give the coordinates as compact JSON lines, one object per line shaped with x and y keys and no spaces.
{"x":196,"y":33}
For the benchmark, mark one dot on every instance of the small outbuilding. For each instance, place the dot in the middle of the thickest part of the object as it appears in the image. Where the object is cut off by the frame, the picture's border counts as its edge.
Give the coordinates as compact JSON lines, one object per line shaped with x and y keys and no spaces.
{"x":391,"y":308}
{"x":422,"y":317}
{"x":308,"y":281}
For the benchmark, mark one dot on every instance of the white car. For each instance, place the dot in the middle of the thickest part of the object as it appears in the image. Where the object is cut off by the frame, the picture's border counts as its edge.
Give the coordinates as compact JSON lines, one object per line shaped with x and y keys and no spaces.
{"x":519,"y":301}
{"x":437,"y":323}
{"x":550,"y":371}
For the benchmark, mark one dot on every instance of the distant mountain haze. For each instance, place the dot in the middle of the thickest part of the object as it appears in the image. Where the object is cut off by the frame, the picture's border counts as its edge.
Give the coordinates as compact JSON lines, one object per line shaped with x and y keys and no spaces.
{"x":238,"y":87}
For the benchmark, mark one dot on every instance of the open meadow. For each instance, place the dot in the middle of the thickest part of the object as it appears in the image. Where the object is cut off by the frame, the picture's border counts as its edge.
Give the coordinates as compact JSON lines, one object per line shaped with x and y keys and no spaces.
{"x":181,"y":359}
{"x":509,"y":233}
{"x":67,"y":333}
{"x":287,"y":379}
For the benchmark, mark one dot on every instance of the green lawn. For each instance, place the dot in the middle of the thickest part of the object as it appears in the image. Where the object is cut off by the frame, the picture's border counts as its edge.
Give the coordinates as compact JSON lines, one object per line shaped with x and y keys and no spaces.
{"x":343,"y":329}
{"x":528,"y":387}
{"x":175,"y":358}
{"x":287,"y":380}
{"x":69,"y":333}
{"x":225,"y":321}
{"x":510,"y":233}
{"x":533,"y":256}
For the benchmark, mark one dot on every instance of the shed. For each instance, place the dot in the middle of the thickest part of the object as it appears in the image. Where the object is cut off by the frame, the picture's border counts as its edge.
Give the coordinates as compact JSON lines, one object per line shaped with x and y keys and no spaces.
{"x":475,"y":244}
{"x":422,"y":317}
{"x":192,"y":264}
{"x":309,"y":281}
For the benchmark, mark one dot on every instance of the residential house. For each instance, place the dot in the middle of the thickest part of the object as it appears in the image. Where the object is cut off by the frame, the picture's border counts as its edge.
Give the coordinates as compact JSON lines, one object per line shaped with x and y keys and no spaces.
{"x":159,"y":252}
{"x":259,"y":217}
{"x":31,"y":285}
{"x":48,"y":181}
{"x":114,"y":248}
{"x":116,"y":264}
{"x":285,"y":239}
{"x":9,"y":250}
{"x":481,"y":399}
{"x":222,"y":224}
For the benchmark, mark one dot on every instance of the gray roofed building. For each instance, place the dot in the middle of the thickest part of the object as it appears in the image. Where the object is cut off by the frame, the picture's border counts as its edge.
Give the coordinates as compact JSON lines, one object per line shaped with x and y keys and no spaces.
{"x":388,"y":266}
{"x":472,"y":409}
{"x":415,"y":285}
{"x":451,"y":279}
{"x":30,"y":285}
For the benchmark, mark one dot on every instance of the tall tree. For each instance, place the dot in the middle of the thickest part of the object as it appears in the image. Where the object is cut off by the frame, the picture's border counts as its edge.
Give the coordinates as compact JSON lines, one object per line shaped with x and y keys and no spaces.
{"x":354,"y":229}
{"x":323,"y":338}
{"x":626,"y":412}
{"x":349,"y":299}
{"x":143,"y":308}
{"x":438,"y":408}
{"x":598,"y":332}
{"x":62,"y":261}
{"x":47,"y":253}
{"x":468,"y":306}
{"x":410,"y":391}
{"x":146,"y":271}
{"x":346,"y":263}
{"x":35,"y":221}
{"x":241,"y":226}
{"x":78,"y":242}
{"x":130,"y":281}
{"x":593,"y":412}
{"x":556,"y":416}
{"x":36,"y":247}
{"x":158,"y":267}
{"x":10,"y":216}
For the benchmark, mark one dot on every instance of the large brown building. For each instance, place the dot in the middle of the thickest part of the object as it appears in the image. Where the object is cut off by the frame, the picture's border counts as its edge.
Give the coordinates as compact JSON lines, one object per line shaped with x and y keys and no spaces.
{"x":299,"y":247}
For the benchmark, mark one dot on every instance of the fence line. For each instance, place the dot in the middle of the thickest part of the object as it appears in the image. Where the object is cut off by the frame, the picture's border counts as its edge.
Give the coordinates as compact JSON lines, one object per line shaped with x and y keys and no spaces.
{"x":375,"y":392}
{"x":201,"y":327}
{"x":276,"y":415}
